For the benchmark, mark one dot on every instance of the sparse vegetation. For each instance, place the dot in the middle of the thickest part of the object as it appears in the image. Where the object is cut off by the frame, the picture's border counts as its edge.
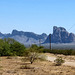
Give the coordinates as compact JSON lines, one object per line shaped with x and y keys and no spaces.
{"x":64,"y":52}
{"x":32,"y":56}
{"x":11,"y":67}
{"x":35,"y":48}
{"x":10,"y":47}
{"x":59,"y":61}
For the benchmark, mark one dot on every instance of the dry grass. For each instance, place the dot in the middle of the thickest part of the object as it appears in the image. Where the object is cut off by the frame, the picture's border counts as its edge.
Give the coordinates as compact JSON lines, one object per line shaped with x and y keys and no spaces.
{"x":17,"y":67}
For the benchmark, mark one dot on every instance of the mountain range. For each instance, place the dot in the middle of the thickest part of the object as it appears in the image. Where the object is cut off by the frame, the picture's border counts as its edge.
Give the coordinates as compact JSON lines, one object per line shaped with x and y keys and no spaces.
{"x":25,"y":37}
{"x":60,"y":35}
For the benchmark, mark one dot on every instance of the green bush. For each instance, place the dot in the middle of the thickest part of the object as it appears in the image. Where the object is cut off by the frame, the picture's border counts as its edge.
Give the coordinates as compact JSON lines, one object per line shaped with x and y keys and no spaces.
{"x":59,"y":61}
{"x":17,"y":49}
{"x":10,"y":47}
{"x":35,"y":48}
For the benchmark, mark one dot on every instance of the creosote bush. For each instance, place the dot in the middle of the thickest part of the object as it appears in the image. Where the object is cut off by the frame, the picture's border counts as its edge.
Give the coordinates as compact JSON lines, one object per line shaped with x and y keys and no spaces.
{"x":59,"y":61}
{"x":32,"y":56}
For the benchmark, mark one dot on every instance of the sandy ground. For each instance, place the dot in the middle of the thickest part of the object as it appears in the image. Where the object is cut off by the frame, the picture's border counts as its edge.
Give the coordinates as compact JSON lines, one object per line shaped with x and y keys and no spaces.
{"x":69,"y":60}
{"x":14,"y":66}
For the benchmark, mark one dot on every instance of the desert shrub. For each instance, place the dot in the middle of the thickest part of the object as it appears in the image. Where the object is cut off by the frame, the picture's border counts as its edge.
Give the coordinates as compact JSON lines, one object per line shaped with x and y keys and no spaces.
{"x":40,"y":49}
{"x":59,"y":61}
{"x":32,"y":56}
{"x":35,"y":48}
{"x":26,"y":53}
{"x":42,"y":57}
{"x":65,"y":52}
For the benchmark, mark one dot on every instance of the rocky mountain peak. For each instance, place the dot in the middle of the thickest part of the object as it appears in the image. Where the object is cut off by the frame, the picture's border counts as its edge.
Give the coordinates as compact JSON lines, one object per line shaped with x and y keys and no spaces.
{"x":61,"y":35}
{"x":16,"y":32}
{"x":58,"y":29}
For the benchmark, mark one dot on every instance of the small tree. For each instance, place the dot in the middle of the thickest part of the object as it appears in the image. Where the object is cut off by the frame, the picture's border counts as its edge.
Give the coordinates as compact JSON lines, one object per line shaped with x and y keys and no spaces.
{"x":59,"y":61}
{"x":32,"y":57}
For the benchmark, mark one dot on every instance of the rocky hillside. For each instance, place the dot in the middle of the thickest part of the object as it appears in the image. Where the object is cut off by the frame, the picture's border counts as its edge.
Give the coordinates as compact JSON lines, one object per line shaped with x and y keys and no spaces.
{"x":61,"y":35}
{"x":25,"y":37}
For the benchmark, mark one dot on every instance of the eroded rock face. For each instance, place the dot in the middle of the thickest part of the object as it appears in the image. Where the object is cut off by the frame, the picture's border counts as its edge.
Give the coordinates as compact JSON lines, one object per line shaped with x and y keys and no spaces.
{"x":60,"y":35}
{"x":71,"y":37}
{"x":25,"y":37}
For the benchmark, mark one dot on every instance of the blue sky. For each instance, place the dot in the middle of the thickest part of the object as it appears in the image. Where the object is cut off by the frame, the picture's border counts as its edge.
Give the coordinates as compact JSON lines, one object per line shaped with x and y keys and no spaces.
{"x":37,"y":16}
